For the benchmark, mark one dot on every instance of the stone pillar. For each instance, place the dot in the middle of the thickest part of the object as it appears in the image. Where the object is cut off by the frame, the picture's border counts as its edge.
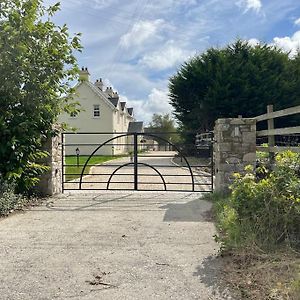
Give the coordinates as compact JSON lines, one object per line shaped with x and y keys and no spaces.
{"x":234,"y":148}
{"x":51,"y":182}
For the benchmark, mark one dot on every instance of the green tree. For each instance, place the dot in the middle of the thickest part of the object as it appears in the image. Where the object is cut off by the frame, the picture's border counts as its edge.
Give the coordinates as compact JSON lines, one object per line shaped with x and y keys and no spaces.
{"x":235,"y":80}
{"x":37,"y":64}
{"x":163,"y":125}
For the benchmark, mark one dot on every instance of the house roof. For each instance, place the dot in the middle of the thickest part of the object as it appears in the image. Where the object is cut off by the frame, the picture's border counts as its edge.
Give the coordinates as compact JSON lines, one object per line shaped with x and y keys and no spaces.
{"x":99,"y":93}
{"x":135,"y":127}
{"x":130,"y":110}
{"x":111,"y":101}
{"x":114,"y":101}
{"x":123,"y":105}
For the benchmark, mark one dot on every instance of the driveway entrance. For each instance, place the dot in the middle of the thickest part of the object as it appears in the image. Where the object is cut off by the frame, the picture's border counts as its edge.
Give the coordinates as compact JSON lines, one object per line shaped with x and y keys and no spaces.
{"x":113,"y":245}
{"x":145,"y":162}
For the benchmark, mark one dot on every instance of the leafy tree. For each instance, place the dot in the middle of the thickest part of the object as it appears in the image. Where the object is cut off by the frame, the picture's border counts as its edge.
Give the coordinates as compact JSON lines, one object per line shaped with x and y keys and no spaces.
{"x":37,"y":63}
{"x":163,"y":125}
{"x":236,"y":80}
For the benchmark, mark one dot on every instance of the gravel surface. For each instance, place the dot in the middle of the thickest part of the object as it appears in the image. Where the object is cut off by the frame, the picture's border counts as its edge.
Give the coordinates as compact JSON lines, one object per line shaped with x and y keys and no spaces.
{"x":111,"y":245}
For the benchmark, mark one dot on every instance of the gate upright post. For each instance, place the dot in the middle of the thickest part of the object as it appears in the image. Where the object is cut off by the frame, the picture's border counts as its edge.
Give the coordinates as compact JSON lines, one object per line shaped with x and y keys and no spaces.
{"x":62,"y":162}
{"x":135,"y":160}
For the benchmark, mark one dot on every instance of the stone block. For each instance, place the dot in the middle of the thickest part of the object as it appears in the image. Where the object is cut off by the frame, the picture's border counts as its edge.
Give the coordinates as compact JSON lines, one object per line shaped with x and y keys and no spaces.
{"x":233,"y":160}
{"x":224,"y":147}
{"x":221,"y":121}
{"x":223,"y":127}
{"x":237,"y":122}
{"x":250,"y":157}
{"x":245,"y":128}
{"x":249,"y":137}
{"x":227,"y":168}
{"x":250,"y":121}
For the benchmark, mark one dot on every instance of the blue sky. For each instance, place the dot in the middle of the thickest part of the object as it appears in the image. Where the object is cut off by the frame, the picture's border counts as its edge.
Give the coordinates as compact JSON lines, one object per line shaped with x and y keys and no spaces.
{"x":137,"y":45}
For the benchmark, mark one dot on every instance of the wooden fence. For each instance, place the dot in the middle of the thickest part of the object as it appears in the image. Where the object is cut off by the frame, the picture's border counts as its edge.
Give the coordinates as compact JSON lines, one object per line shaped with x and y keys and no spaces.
{"x":271,"y":132}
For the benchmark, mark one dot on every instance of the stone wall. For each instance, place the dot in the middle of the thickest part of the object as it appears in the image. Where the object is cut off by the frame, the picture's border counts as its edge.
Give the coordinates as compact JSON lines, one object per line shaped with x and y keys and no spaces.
{"x":234,"y":148}
{"x":51,"y":182}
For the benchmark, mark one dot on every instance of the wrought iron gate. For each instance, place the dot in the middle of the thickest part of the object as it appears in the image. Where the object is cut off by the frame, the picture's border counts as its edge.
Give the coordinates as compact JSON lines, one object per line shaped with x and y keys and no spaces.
{"x":136,"y":161}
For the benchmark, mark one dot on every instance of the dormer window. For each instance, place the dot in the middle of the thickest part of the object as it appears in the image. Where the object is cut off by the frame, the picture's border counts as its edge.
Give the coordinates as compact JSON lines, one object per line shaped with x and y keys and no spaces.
{"x":96,"y":112}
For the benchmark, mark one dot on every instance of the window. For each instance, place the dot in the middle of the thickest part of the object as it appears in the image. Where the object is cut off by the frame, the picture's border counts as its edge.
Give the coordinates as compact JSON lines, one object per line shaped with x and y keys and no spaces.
{"x":96,"y":111}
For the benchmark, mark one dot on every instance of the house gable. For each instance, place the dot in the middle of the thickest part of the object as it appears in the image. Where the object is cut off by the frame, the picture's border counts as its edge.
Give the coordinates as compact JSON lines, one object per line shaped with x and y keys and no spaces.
{"x":97,"y":111}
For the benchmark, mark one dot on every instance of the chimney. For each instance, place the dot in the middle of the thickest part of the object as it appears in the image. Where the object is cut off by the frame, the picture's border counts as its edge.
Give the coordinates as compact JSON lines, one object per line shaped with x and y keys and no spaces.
{"x":109,"y":92}
{"x":84,"y":74}
{"x":115,"y":95}
{"x":99,"y":84}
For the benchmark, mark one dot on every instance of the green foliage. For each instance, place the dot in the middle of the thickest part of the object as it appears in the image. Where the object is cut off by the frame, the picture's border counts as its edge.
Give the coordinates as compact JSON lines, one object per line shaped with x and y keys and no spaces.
{"x":163,"y":126}
{"x":263,"y":212}
{"x":37,"y":64}
{"x":8,"y":199}
{"x":71,"y":164}
{"x":236,"y":80}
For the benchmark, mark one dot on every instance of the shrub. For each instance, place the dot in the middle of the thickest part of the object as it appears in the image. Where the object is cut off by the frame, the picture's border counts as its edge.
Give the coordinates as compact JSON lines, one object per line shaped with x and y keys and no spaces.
{"x":9,"y":200}
{"x":263,"y":211}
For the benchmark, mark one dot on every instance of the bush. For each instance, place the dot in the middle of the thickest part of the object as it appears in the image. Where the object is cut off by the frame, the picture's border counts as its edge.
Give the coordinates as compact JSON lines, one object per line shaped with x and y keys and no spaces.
{"x":264,"y":212}
{"x":9,"y":200}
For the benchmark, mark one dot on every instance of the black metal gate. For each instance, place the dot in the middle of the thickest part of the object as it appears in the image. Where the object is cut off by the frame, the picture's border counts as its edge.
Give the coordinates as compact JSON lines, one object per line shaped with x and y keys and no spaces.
{"x":137,"y":161}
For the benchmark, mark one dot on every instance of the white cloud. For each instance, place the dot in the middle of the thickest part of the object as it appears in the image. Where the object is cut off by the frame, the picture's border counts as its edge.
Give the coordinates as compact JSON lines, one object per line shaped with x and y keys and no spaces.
{"x":165,"y":58}
{"x":157,"y":102}
{"x":255,"y":5}
{"x":288,"y":44}
{"x":95,"y":4}
{"x":297,"y":22}
{"x":101,"y":4}
{"x":253,"y":42}
{"x":141,"y":32}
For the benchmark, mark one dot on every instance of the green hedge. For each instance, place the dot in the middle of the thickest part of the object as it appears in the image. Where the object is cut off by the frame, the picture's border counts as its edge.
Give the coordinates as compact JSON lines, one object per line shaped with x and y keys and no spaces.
{"x":263,"y":210}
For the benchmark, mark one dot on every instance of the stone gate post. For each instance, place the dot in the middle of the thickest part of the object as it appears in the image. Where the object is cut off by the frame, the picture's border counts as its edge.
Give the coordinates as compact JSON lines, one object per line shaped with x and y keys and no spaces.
{"x":51,"y":182}
{"x":234,"y":148}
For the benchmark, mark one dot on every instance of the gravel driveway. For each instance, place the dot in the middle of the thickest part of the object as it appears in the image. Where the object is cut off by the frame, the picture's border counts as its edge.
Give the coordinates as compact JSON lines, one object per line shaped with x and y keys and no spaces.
{"x":112,"y":245}
{"x":176,"y":177}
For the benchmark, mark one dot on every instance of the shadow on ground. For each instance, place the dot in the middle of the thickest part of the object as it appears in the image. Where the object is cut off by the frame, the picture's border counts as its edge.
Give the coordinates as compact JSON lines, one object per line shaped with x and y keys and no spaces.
{"x":193,"y":211}
{"x":209,"y":274}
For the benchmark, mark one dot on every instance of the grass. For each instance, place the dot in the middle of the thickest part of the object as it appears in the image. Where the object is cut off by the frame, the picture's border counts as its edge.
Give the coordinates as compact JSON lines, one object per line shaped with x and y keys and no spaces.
{"x":71,"y":161}
{"x":251,"y":272}
{"x":256,"y":275}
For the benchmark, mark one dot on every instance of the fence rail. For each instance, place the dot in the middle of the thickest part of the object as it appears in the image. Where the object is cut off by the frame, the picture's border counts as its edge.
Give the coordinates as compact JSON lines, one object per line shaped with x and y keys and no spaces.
{"x":271,"y":132}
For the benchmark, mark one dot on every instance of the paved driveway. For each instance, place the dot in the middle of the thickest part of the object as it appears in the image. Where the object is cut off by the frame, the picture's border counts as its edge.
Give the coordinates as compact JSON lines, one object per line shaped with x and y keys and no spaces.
{"x":111,"y":245}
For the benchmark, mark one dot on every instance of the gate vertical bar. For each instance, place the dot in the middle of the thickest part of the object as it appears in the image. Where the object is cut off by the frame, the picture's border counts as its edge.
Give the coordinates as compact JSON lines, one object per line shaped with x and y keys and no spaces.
{"x":212,"y":160}
{"x":62,"y":162}
{"x":135,"y":160}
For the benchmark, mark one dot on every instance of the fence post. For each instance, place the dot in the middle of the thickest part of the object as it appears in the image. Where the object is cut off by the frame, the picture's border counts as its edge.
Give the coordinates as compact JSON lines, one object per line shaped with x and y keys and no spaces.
{"x":234,"y":147}
{"x":271,"y":138}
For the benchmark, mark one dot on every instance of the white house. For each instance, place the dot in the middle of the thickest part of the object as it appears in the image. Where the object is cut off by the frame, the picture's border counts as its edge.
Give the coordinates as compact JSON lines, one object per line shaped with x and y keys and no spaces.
{"x":102,"y":112}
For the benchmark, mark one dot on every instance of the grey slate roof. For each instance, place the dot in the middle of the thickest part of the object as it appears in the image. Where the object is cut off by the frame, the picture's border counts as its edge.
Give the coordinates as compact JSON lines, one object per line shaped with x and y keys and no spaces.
{"x":135,"y":127}
{"x":123,"y":105}
{"x":114,"y":101}
{"x":130,"y":110}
